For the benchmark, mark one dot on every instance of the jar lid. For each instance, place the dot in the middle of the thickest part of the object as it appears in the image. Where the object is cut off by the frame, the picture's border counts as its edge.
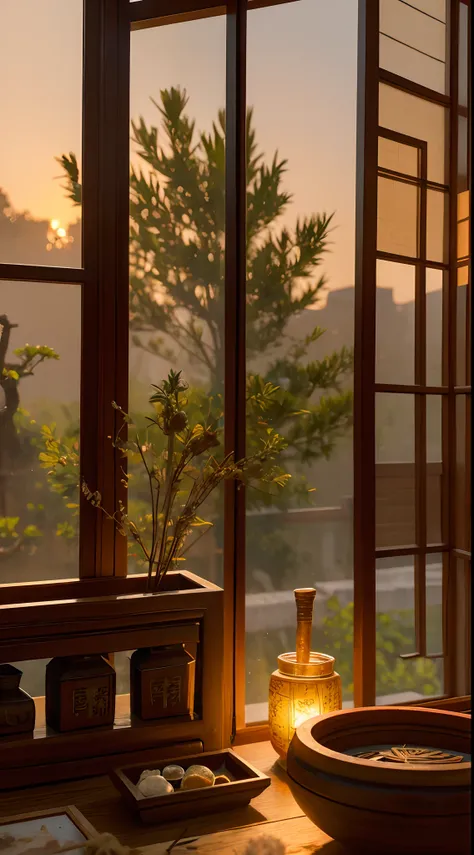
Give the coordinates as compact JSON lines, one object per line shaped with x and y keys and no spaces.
{"x":319,"y":665}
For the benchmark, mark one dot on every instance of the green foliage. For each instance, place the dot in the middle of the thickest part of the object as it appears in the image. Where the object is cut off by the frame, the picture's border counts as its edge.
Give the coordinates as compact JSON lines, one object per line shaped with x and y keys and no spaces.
{"x":181,"y":475}
{"x":30,"y":357}
{"x":21,"y":530}
{"x":177,"y":269}
{"x":393,"y":638}
{"x":177,"y":285}
{"x":14,"y":536}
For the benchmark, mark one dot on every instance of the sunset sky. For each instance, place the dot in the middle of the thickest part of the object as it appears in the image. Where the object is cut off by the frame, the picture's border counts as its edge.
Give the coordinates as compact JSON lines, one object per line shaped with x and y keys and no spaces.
{"x":301,"y":83}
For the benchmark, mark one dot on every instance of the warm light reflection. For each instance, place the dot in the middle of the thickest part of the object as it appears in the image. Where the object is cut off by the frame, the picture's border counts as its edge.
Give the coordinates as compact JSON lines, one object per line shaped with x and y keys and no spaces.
{"x":302,"y":717}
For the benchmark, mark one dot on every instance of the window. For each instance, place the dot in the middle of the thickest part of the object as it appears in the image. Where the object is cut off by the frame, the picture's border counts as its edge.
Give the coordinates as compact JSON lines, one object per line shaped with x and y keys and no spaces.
{"x":40,"y":223}
{"x":177,"y":298}
{"x":215,"y":187}
{"x":299,"y":335}
{"x":412,"y":416}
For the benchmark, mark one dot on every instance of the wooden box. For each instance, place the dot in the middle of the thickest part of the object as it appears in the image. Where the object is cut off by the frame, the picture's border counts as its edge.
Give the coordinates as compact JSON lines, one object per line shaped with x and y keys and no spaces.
{"x":246,"y":782}
{"x":80,"y":693}
{"x":86,"y":617}
{"x":162,"y":682}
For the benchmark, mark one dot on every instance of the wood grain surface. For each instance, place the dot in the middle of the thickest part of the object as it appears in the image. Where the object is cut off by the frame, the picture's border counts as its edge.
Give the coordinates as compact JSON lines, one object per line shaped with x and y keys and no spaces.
{"x":274,"y":812}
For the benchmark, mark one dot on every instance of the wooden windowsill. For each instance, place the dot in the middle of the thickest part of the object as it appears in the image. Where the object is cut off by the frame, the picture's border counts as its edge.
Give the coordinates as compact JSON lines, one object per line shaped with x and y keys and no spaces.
{"x":274,"y":812}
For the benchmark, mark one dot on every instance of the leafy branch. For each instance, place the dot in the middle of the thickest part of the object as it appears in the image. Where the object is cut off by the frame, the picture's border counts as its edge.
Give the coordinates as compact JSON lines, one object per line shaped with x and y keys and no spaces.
{"x":181,"y":476}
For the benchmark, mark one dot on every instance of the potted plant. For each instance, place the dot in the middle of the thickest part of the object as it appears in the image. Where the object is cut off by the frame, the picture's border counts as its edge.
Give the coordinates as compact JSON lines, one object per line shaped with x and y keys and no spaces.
{"x":181,"y":475}
{"x":183,"y":464}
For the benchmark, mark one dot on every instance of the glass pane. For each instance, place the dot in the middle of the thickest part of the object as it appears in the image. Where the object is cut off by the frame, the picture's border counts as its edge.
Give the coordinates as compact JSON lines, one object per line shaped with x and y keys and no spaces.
{"x":434,"y":449}
{"x":435,"y":8}
{"x":463,"y":625}
{"x":463,"y":239}
{"x":434,"y":603}
{"x":177,"y":244}
{"x":410,"y":63}
{"x":395,"y":356}
{"x":434,"y":326}
{"x":436,"y":226}
{"x":412,"y":44}
{"x":423,"y":120}
{"x":395,"y":470}
{"x":434,"y":468}
{"x":461,"y":322}
{"x":463,"y":206}
{"x":39,"y":431}
{"x":395,"y":426}
{"x":398,"y":157}
{"x":400,"y":680}
{"x":463,"y":492}
{"x":41,"y":105}
{"x":412,"y":27}
{"x":462,"y":153}
{"x":397,"y":217}
{"x":463,"y":55}
{"x":295,"y":537}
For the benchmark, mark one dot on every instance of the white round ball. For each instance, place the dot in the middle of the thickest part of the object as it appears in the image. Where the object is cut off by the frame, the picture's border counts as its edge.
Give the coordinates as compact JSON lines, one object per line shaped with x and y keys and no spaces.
{"x":146,"y":774}
{"x":155,"y":785}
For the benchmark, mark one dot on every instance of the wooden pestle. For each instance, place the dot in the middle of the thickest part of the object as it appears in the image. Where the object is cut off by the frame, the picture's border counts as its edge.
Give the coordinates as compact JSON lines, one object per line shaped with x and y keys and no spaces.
{"x":304,"y":621}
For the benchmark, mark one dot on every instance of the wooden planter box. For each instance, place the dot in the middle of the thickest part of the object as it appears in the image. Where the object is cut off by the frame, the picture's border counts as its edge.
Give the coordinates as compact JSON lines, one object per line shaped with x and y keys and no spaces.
{"x":113,"y":615}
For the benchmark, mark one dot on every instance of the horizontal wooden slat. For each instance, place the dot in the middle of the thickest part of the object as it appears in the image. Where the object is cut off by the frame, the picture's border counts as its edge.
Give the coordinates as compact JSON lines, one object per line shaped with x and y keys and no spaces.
{"x":68,"y":589}
{"x":90,"y":641}
{"x":397,"y":471}
{"x":154,"y":12}
{"x":39,"y":273}
{"x":413,"y":88}
{"x":410,"y":389}
{"x":396,"y":551}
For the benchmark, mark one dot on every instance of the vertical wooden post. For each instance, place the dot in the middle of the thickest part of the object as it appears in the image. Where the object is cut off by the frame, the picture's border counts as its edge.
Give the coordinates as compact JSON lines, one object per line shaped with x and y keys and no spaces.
{"x":89,"y":410}
{"x":420,"y":412}
{"x":104,"y":367}
{"x":450,"y":604}
{"x":235,"y":385}
{"x":364,"y":365}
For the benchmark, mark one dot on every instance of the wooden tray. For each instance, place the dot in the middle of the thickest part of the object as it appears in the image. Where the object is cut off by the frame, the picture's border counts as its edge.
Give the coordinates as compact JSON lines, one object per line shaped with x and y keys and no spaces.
{"x":246,"y":782}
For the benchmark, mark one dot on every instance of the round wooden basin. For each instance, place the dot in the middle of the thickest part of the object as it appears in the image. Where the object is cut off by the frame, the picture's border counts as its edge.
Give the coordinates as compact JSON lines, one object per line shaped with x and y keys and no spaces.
{"x":411,"y":800}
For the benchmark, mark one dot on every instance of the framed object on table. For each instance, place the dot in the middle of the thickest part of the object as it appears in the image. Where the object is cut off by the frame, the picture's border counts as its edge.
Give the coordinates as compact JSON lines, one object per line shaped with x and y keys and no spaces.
{"x":45,"y":832}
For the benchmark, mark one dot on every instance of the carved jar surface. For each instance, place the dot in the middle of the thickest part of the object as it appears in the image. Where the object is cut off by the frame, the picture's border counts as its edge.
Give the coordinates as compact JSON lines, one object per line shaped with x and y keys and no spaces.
{"x":162,"y":682}
{"x":80,"y":693}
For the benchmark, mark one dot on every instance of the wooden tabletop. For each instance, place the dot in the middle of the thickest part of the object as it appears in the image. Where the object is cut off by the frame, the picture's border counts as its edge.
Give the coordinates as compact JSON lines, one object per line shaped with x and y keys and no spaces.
{"x":274,"y":813}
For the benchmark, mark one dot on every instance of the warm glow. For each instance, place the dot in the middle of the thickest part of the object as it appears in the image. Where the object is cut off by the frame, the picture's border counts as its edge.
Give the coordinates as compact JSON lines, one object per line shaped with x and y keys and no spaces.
{"x":57,"y":236}
{"x":293,"y":700}
{"x":299,"y":718}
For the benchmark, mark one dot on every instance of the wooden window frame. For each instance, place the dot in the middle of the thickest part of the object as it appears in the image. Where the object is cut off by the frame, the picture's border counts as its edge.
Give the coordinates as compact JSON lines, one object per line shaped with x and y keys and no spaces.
{"x":104,"y":348}
{"x":371,"y":76}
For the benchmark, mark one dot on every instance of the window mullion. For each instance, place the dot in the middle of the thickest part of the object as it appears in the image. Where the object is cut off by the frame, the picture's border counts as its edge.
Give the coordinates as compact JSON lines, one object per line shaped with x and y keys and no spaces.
{"x":105,"y":306}
{"x":235,"y":306}
{"x":364,"y":356}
